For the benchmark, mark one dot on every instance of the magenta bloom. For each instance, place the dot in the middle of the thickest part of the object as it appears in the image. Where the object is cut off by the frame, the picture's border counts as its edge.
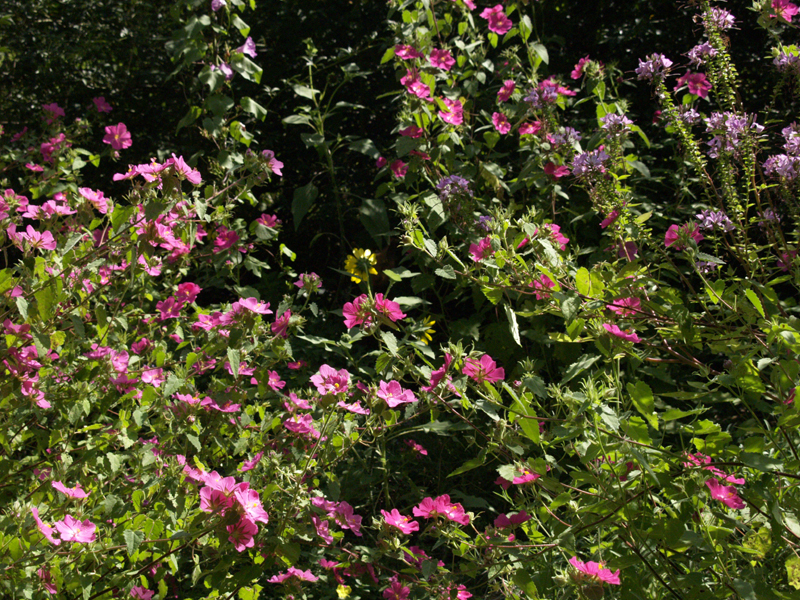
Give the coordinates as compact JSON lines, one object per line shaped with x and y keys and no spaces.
{"x":455,"y":112}
{"x":394,"y":395}
{"x":76,"y":492}
{"x":412,"y":131}
{"x":250,"y":502}
{"x":141,"y":593}
{"x":331,"y":381}
{"x":484,"y":369}
{"x":388,"y":308}
{"x":249,"y":47}
{"x":431,"y":508}
{"x":676,"y":235}
{"x":612,"y":216}
{"x":293,"y":572}
{"x":577,"y":72}
{"x":46,"y":530}
{"x":280,"y":328}
{"x":404,"y":524}
{"x":396,"y":590}
{"x":44,"y":241}
{"x":725,"y":494}
{"x":241,"y":534}
{"x":530,"y":128}
{"x":625,"y":307}
{"x":442,"y":59}
{"x":118,"y":136}
{"x":696,"y":82}
{"x":214,"y":501}
{"x":498,"y":21}
{"x":72,"y":530}
{"x":482,"y":249}
{"x":784,"y":9}
{"x":595,"y":571}
{"x":500,"y":122}
{"x":556,"y":172}
{"x":357,"y":312}
{"x":505,"y":92}
{"x":628,"y":336}
{"x":406,"y":52}
{"x":399,"y":168}
{"x":101,"y":104}
{"x":273,"y":163}
{"x":438,"y":374}
{"x":526,"y":477}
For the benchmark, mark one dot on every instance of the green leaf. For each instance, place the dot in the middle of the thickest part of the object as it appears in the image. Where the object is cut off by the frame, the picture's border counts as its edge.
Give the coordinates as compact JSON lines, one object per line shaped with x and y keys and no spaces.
{"x":244,"y":28}
{"x":643,"y":400}
{"x":246,"y":68}
{"x":373,"y":215}
{"x":254,"y":108}
{"x":583,"y":282}
{"x":305,"y":91}
{"x":793,"y":571}
{"x":367,"y":147}
{"x":219,"y":104}
{"x":541,"y":52}
{"x":234,"y":357}
{"x":513,"y":326}
{"x":472,"y":463}
{"x":194,"y":441}
{"x":45,"y":301}
{"x":302,"y":201}
{"x":754,"y":300}
{"x":760,"y":462}
{"x":213,"y":78}
{"x":579,"y":366}
{"x":133,"y":539}
{"x":744,"y":589}
{"x":446,"y":272}
{"x":137,"y":497}
{"x":390,"y":341}
{"x":388,"y":55}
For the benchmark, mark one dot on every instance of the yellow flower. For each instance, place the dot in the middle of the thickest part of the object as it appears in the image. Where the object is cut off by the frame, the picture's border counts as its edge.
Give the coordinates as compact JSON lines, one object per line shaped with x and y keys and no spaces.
{"x":343,"y":591}
{"x":360,"y":264}
{"x":426,"y":336}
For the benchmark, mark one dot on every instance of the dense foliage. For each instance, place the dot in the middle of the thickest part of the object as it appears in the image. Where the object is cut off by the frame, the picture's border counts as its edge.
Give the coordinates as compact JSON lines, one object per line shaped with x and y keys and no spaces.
{"x":452,"y":311}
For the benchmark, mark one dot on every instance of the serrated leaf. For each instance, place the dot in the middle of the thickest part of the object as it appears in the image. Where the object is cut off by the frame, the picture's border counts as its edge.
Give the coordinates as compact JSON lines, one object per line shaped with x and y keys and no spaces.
{"x":754,"y":300}
{"x":471,"y":464}
{"x":446,"y":272}
{"x":579,"y":366}
{"x":390,"y":341}
{"x":133,"y":539}
{"x":643,"y":401}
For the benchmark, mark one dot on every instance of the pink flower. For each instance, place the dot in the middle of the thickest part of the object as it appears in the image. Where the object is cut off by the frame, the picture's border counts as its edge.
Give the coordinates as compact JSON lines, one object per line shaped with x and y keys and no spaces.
{"x":55,"y":111}
{"x":696,"y":82}
{"x":455,"y":112}
{"x":414,"y":85}
{"x":725,"y":494}
{"x":141,"y":593}
{"x":44,"y":241}
{"x":118,"y":136}
{"x":72,"y":530}
{"x":357,"y":312}
{"x":399,"y":168}
{"x":677,"y":236}
{"x":46,"y":530}
{"x":404,"y":524}
{"x":412,"y":132}
{"x":381,"y":162}
{"x":442,"y":59}
{"x":273,"y":163}
{"x":505,"y":92}
{"x":47,"y":580}
{"x":526,"y":477}
{"x":612,"y":216}
{"x":625,"y":307}
{"x":784,"y":9}
{"x":628,"y":336}
{"x":595,"y":571}
{"x":293,"y":572}
{"x":76,"y":492}
{"x":154,"y":377}
{"x":416,"y":447}
{"x":249,"y":47}
{"x":280,"y":328}
{"x":439,"y":374}
{"x":330,"y":381}
{"x":500,"y":122}
{"x":101,"y":105}
{"x":182,"y":170}
{"x":394,"y":395}
{"x":577,"y":72}
{"x":482,"y":249}
{"x":241,"y":534}
{"x":406,"y":52}
{"x":498,"y":21}
{"x":431,"y":508}
{"x":396,"y":590}
{"x":250,"y":503}
{"x":388,"y":308}
{"x":530,"y":128}
{"x":504,"y":521}
{"x":484,"y":369}
{"x":249,"y":465}
{"x":226,"y":238}
{"x":214,"y":501}
{"x":555,"y":171}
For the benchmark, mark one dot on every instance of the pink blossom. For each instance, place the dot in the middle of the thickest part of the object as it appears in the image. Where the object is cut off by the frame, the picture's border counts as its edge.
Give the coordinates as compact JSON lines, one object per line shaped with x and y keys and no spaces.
{"x":454,"y":112}
{"x":154,"y":377}
{"x":676,"y":235}
{"x":439,"y":374}
{"x":346,"y":518}
{"x":412,"y":132}
{"x":482,"y":250}
{"x":498,"y":21}
{"x":504,"y":521}
{"x":280,"y":328}
{"x":249,"y":465}
{"x":431,"y":508}
{"x":612,"y":216}
{"x":101,"y":105}
{"x":381,"y":162}
{"x":76,"y":492}
{"x":141,"y":593}
{"x":46,"y":530}
{"x":34,"y":239}
{"x":725,"y":493}
{"x":357,"y":312}
{"x":47,"y":580}
{"x":628,"y":336}
{"x":504,"y":95}
{"x":784,"y":9}
{"x":399,"y":168}
{"x":249,"y":47}
{"x":118,"y":136}
{"x":696,"y":82}
{"x":55,"y":111}
{"x":415,"y":86}
{"x":226,"y":238}
{"x":214,"y":501}
{"x":416,"y":447}
{"x":500,"y":122}
{"x":395,"y":519}
{"x":72,"y":530}
{"x":396,"y":590}
{"x":530,"y":128}
{"x":394,"y":395}
{"x":273,"y":163}
{"x":406,"y":52}
{"x":241,"y":534}
{"x":442,"y":59}
{"x":293,"y":572}
{"x":526,"y":477}
{"x":555,"y":171}
{"x":183,"y":171}
{"x":625,"y":307}
{"x":388,"y":308}
{"x":302,"y":424}
{"x":484,"y":369}
{"x":595,"y":571}
{"x":577,"y":72}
